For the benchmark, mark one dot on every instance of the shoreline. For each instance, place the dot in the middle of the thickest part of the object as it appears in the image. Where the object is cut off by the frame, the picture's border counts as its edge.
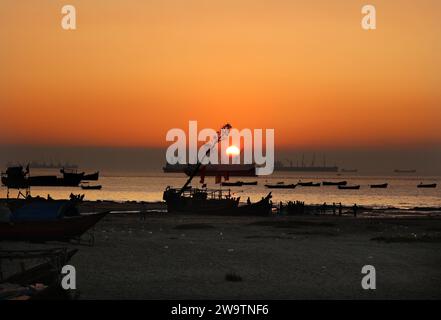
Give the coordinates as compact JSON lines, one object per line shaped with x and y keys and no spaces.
{"x":128,"y":207}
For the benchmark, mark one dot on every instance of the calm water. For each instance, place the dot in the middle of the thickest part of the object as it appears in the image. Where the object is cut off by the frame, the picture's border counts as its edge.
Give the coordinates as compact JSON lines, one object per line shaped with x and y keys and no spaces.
{"x":401,"y":193}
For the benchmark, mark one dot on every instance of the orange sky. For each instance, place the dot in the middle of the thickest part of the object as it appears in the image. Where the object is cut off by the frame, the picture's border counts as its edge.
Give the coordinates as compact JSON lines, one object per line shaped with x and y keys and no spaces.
{"x":135,"y":69}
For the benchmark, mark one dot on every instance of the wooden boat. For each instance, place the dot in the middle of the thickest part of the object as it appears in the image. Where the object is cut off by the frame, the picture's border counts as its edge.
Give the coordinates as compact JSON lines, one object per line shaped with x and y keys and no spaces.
{"x":238,"y":184}
{"x":280,"y":186}
{"x":428,"y":185}
{"x":379,"y":186}
{"x":214,"y":202}
{"x":18,"y":178}
{"x":308,"y":184}
{"x":206,"y":201}
{"x":250,"y":183}
{"x":62,"y":229}
{"x":91,"y":177}
{"x":349,"y":187}
{"x":87,"y":187}
{"x":332,"y":183}
{"x":232,"y":184}
{"x":22,"y":285}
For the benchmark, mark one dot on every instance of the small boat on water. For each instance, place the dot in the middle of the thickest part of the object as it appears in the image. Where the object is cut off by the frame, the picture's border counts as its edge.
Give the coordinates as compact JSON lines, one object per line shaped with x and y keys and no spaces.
{"x":250,"y":183}
{"x":232,"y":184}
{"x":379,"y":186}
{"x":349,"y":187}
{"x":308,"y":184}
{"x":281,"y":186}
{"x":333,"y":183}
{"x":427,"y":185}
{"x":87,"y":187}
{"x":92,"y":176}
{"x":238,"y":184}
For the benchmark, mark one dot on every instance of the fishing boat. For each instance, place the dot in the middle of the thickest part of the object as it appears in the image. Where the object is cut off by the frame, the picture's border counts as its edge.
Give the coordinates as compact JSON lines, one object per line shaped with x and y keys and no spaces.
{"x":281,"y":186}
{"x":232,"y":184}
{"x":88,"y":187}
{"x":206,"y":201}
{"x":18,"y":178}
{"x":91,"y":177}
{"x":427,"y":185}
{"x":215,"y":202}
{"x":332,"y":183}
{"x":62,"y":229}
{"x":379,"y":186}
{"x":349,"y":187}
{"x":308,"y":184}
{"x":250,"y":183}
{"x":238,"y":184}
{"x":45,"y":220}
{"x":34,"y":281}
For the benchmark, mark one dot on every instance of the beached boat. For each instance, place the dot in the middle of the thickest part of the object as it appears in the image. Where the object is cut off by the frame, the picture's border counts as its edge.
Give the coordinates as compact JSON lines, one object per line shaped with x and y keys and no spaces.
{"x":216,"y":202}
{"x":37,"y":281}
{"x":280,"y":186}
{"x":349,"y":187}
{"x":332,"y":183}
{"x":427,"y":185}
{"x":91,"y":177}
{"x":41,"y":220}
{"x":206,"y":201}
{"x":62,"y":229}
{"x":87,"y":187}
{"x":379,"y":186}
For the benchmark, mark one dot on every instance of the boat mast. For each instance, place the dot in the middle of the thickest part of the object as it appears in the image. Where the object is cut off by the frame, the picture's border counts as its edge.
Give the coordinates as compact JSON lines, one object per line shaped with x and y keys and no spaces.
{"x":221,"y":134}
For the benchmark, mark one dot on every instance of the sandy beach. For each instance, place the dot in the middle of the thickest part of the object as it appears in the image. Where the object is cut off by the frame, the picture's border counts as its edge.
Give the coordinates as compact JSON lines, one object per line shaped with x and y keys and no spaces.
{"x":170,"y":256}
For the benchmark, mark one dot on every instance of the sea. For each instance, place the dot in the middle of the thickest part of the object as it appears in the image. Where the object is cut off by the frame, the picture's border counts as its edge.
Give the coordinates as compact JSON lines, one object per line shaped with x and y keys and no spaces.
{"x":401,"y":193}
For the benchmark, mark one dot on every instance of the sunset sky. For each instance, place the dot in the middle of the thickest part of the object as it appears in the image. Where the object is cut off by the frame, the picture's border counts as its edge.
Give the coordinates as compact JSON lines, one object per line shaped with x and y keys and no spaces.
{"x":135,"y":69}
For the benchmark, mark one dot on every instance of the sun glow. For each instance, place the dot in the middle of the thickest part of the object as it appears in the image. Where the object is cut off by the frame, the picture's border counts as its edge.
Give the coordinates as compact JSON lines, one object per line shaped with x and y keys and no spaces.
{"x":232,"y":151}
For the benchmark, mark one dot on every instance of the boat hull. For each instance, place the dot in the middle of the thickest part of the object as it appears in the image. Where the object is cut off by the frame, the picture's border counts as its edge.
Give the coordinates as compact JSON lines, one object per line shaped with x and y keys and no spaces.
{"x":331,"y":183}
{"x":47,"y":230}
{"x":349,"y":187}
{"x":379,"y":186}
{"x":281,"y":186}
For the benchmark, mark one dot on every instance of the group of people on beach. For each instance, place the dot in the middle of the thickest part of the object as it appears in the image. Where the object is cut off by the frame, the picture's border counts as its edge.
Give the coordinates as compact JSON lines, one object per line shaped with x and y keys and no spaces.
{"x":324,"y":209}
{"x":298,"y":207}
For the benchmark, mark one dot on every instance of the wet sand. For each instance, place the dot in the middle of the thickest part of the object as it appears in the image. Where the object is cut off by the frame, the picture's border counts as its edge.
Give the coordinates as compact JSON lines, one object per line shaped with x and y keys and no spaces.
{"x":169,"y":256}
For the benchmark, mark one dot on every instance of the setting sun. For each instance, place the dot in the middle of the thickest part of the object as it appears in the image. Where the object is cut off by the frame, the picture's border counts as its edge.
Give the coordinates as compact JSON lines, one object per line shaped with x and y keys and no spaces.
{"x":232,"y":151}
